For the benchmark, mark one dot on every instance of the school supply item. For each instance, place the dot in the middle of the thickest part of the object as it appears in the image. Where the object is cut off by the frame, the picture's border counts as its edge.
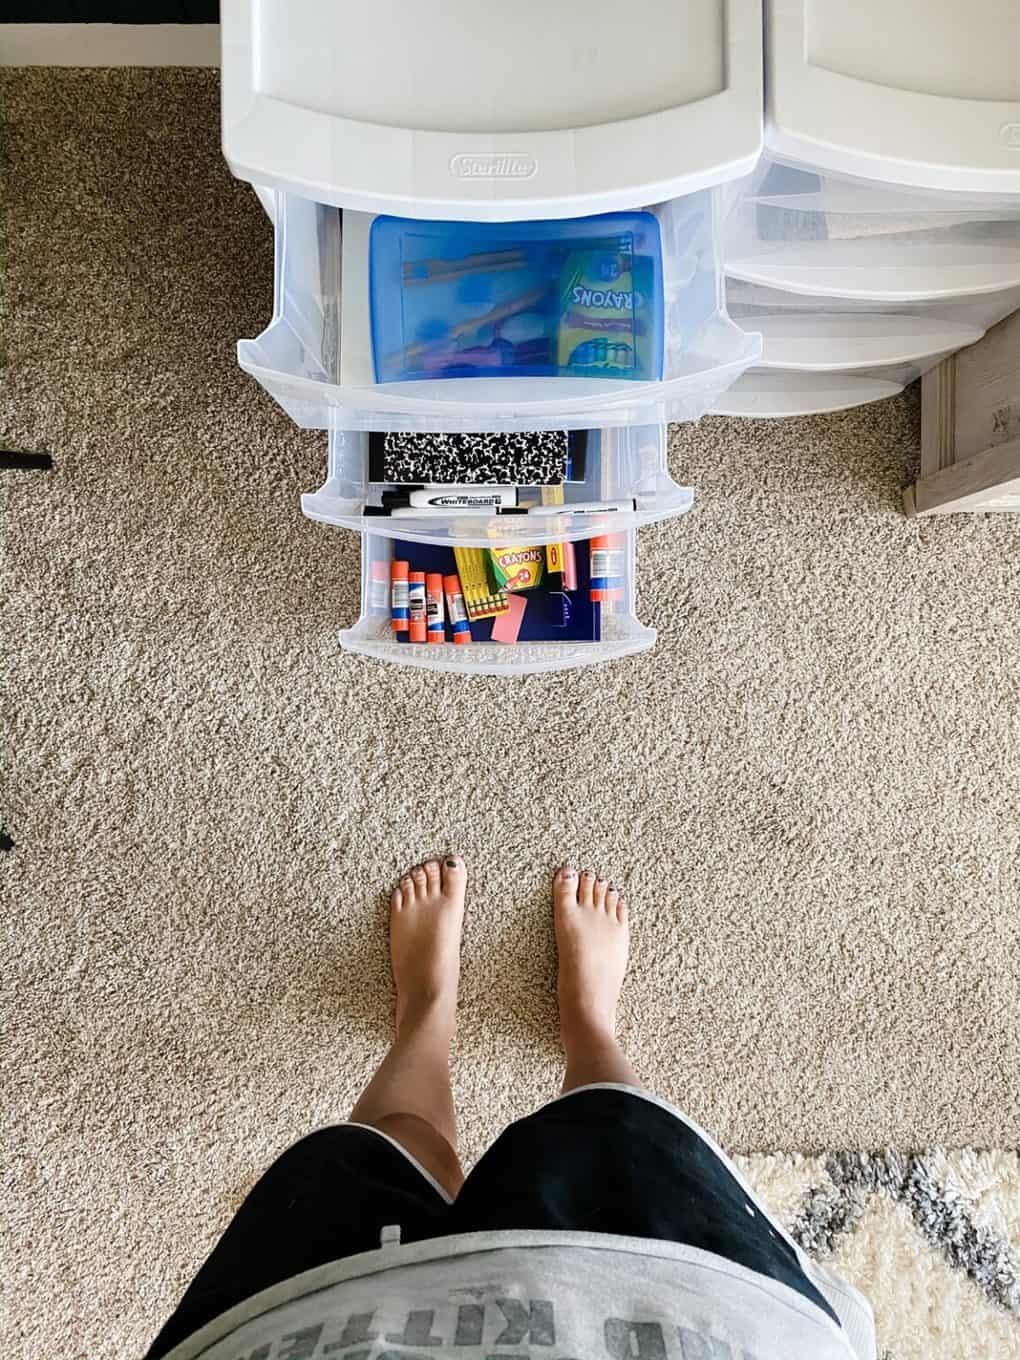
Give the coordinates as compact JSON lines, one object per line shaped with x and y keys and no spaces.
{"x":434,"y":618}
{"x":398,"y":597}
{"x":417,"y":628}
{"x":583,"y":508}
{"x":607,"y":570}
{"x":552,"y":614}
{"x":569,"y":581}
{"x":508,"y":626}
{"x":517,"y":568}
{"x":553,"y":495}
{"x":455,"y":608}
{"x":578,"y":297}
{"x":482,"y":598}
{"x":379,"y":587}
{"x":451,"y":497}
{"x":518,"y":458}
{"x":435,"y":511}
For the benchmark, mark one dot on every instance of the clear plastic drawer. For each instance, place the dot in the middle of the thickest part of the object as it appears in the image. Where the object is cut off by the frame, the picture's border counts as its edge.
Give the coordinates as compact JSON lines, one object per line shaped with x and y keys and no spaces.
{"x":809,"y":232}
{"x":315,"y":356}
{"x":625,"y":468}
{"x":776,"y":392}
{"x":557,"y":630}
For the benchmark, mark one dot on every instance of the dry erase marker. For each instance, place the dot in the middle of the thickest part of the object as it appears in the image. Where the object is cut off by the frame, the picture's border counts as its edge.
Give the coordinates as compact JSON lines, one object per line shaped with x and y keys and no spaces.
{"x":459,"y":625}
{"x":398,"y":596}
{"x":416,"y":606}
{"x":480,"y":512}
{"x":379,"y":587}
{"x":468,"y":497}
{"x":434,"y":607}
{"x":583,"y":508}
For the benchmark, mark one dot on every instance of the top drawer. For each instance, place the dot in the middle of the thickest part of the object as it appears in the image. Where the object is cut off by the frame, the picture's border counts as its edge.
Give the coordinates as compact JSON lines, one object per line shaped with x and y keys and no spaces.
{"x":315,"y":357}
{"x":899,"y":91}
{"x":491,"y":112}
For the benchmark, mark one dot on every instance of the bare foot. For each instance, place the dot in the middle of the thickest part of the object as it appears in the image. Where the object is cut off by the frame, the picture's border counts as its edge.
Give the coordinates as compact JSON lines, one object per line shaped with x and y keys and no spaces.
{"x":593,"y":941}
{"x":426,"y":916}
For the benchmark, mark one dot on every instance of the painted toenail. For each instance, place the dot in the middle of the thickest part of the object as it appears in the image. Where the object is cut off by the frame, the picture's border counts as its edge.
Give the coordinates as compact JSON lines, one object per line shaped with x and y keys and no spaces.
{"x":451,"y":863}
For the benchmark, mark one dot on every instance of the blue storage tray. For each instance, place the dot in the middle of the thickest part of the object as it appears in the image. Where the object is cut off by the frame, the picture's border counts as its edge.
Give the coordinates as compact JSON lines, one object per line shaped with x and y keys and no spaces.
{"x":575,"y":298}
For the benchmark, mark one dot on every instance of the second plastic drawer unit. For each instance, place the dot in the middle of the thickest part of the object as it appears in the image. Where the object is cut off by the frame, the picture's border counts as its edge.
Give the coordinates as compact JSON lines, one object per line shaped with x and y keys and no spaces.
{"x":315,"y":356}
{"x":824,"y":354}
{"x":818,"y":232}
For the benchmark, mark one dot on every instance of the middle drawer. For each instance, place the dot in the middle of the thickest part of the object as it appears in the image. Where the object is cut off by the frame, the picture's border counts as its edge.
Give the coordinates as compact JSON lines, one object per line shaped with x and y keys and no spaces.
{"x":624,"y":468}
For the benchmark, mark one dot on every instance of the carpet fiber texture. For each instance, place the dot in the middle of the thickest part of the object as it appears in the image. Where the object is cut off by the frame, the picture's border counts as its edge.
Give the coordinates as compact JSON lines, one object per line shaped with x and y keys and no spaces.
{"x":809,"y":790}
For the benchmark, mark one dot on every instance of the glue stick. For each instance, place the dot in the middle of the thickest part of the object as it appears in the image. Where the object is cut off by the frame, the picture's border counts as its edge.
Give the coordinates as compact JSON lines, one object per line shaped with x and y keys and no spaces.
{"x":398,"y":596}
{"x":416,"y":606}
{"x":379,"y":591}
{"x":606,"y":558}
{"x":459,"y":625}
{"x":434,"y":607}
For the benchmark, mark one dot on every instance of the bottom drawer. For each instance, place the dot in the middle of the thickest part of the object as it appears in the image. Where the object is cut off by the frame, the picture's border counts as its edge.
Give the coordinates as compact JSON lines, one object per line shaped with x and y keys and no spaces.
{"x":558,"y":628}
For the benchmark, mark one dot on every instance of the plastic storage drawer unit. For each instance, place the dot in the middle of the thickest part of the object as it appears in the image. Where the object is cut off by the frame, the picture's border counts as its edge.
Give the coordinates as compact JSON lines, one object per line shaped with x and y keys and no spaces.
{"x":825,"y":354}
{"x":315,"y":357}
{"x":900,"y":92}
{"x":813,"y":231}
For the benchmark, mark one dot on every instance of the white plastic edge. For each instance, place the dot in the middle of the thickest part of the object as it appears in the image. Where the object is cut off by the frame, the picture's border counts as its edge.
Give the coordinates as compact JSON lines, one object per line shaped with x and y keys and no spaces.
{"x":826,"y":120}
{"x":572,"y":172}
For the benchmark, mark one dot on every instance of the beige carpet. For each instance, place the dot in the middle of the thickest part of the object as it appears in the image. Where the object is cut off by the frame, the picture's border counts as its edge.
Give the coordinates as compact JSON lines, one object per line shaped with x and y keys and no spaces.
{"x":811,"y":788}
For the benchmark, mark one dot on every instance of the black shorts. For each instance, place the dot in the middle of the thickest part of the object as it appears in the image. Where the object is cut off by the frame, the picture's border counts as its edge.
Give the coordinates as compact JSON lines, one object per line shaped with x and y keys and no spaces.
{"x":601,"y":1159}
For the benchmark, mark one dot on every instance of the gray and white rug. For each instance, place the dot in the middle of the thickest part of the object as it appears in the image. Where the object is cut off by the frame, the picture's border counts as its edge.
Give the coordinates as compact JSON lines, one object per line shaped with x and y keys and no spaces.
{"x":933,"y":1239}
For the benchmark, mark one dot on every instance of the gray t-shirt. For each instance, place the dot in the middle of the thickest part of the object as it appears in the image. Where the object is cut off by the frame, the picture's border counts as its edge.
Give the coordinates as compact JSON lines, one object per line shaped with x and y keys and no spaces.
{"x":538,"y":1296}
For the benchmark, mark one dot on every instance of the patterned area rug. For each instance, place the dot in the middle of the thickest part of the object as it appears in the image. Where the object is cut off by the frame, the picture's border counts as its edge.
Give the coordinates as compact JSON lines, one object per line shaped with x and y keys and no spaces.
{"x":932,"y":1239}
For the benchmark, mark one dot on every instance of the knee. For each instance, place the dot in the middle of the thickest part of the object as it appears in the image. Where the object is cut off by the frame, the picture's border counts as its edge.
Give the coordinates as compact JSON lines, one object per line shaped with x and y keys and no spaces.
{"x":426,"y":1145}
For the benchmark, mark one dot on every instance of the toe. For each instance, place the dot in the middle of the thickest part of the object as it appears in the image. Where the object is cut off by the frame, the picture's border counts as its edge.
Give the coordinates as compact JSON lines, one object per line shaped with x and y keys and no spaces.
{"x":406,"y":886}
{"x":621,"y":911}
{"x":612,"y":901}
{"x":431,"y":867}
{"x":453,"y":872}
{"x":565,"y":884}
{"x":418,"y":875}
{"x":586,"y":891}
{"x":396,"y":899}
{"x":599,"y":893}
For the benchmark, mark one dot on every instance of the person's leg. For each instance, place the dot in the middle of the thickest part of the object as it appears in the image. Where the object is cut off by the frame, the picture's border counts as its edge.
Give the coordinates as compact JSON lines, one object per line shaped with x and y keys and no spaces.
{"x":409,"y":1097}
{"x":592,"y":940}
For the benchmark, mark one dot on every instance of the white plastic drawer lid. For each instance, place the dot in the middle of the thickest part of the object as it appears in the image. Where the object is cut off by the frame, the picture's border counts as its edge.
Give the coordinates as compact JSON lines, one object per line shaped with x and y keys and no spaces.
{"x":776,"y":393}
{"x":491,"y":111}
{"x":315,"y":356}
{"x":904,"y":91}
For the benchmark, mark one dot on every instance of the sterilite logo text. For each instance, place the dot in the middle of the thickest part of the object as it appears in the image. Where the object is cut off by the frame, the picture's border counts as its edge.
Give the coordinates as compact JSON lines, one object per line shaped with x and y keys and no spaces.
{"x":1010,"y":134}
{"x":471,"y":166}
